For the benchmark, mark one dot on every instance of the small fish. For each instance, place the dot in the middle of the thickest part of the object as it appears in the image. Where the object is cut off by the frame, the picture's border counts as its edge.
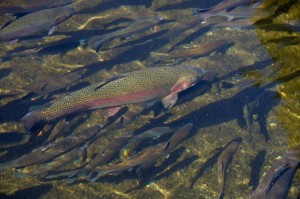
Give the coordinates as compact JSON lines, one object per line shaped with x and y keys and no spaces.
{"x":261,"y":77}
{"x":146,"y":157}
{"x":63,"y":126}
{"x":36,"y":22}
{"x":200,"y":50}
{"x":244,"y":12}
{"x":224,"y":161}
{"x":248,"y":108}
{"x":130,"y":115}
{"x":62,"y":160}
{"x":26,"y":6}
{"x":179,"y":29}
{"x":58,"y":47}
{"x":141,"y":86}
{"x":226,"y":5}
{"x":47,"y":153}
{"x":104,"y":155}
{"x":5,"y":143}
{"x":47,"y":85}
{"x":152,"y":133}
{"x":278,"y":179}
{"x":236,"y":24}
{"x":135,"y":28}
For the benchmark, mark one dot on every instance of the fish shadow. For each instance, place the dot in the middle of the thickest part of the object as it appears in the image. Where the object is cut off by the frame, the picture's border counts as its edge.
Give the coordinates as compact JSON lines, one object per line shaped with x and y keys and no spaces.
{"x":5,"y":72}
{"x":256,"y":167}
{"x":208,"y":164}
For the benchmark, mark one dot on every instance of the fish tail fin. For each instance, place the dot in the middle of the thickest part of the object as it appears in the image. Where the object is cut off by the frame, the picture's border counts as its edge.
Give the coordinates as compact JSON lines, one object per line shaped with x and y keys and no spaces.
{"x":95,"y":43}
{"x":33,"y":122}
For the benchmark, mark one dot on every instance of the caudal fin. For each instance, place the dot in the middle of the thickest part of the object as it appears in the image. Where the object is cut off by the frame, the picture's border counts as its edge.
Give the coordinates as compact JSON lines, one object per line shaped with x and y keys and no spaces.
{"x":33,"y":122}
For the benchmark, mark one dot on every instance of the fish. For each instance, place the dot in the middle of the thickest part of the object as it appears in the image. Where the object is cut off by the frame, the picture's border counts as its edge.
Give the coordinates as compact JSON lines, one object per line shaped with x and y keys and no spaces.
{"x":58,"y":47}
{"x":135,"y":28}
{"x":103,"y":156}
{"x":63,"y":126}
{"x":19,"y":139}
{"x":200,"y":50}
{"x":278,"y":179}
{"x":236,"y":24}
{"x":224,"y":161}
{"x":53,"y":165}
{"x":152,"y":133}
{"x":47,"y":153}
{"x":36,"y":22}
{"x":26,"y":6}
{"x":226,"y":5}
{"x":150,"y":84}
{"x":45,"y":86}
{"x":146,"y":157}
{"x":251,"y":103}
{"x":127,"y":117}
{"x":244,"y":12}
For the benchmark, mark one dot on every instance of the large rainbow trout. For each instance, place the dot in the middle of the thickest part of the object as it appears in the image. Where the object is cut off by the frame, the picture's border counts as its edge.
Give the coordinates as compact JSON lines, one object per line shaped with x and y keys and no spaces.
{"x":134,"y":87}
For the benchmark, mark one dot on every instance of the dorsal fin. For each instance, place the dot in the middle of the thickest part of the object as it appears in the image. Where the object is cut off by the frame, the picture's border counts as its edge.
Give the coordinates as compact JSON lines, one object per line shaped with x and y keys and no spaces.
{"x":109,"y":80}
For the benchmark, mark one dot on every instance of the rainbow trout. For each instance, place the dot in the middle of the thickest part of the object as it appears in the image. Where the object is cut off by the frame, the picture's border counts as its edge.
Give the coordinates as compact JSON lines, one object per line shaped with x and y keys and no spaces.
{"x":141,"y":86}
{"x":35,"y":23}
{"x":226,"y":5}
{"x":26,"y":6}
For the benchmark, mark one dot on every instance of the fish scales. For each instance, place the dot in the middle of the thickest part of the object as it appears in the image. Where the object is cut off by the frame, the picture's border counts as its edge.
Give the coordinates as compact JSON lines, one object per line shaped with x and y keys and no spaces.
{"x":129,"y":88}
{"x":35,"y":23}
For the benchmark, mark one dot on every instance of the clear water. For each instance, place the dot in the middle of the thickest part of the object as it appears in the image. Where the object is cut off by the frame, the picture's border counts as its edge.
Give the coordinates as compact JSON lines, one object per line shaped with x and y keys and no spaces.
{"x":217,"y":115}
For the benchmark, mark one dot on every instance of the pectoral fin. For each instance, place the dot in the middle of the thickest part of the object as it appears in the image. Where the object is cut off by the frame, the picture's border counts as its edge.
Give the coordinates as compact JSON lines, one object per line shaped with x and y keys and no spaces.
{"x":12,"y":42}
{"x":52,"y":30}
{"x":170,"y":100}
{"x":111,"y":111}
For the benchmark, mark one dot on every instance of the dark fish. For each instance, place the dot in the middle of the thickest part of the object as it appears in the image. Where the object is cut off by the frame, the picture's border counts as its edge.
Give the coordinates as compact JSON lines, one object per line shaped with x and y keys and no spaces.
{"x":24,"y":53}
{"x":146,"y":157}
{"x":250,"y":105}
{"x":47,"y":153}
{"x":57,"y":47}
{"x":152,"y":133}
{"x":262,"y":76}
{"x":179,"y":29}
{"x":135,"y":28}
{"x":49,"y":84}
{"x":125,"y":118}
{"x":36,"y":22}
{"x":200,"y":50}
{"x":244,"y":12}
{"x":25,"y":6}
{"x":224,"y":161}
{"x":226,"y":5}
{"x":62,"y":160}
{"x":104,"y":155}
{"x":141,"y":86}
{"x":278,"y":179}
{"x":63,"y":126}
